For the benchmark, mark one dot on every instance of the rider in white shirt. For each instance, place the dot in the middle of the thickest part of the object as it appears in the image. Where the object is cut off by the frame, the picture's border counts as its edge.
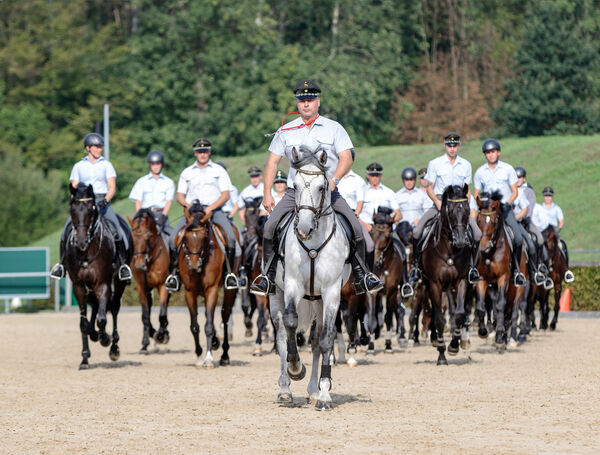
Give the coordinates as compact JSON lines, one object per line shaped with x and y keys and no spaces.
{"x":412,"y":203}
{"x":231,"y":207}
{"x":423,"y":188}
{"x":280,"y":186}
{"x":555,"y":216}
{"x":254,"y":190}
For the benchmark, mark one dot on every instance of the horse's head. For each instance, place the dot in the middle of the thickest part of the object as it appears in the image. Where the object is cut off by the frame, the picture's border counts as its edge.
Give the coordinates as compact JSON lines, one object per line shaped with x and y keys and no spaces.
{"x":251,"y":215}
{"x":489,"y":219}
{"x":382,"y":228}
{"x":83,"y":214}
{"x":195,"y":238}
{"x":455,"y":213}
{"x":550,"y":239}
{"x":144,"y":232}
{"x":313,"y":198}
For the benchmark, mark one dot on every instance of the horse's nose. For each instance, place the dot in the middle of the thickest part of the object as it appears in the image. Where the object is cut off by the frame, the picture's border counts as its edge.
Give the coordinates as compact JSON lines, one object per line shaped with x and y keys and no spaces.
{"x":143,"y":267}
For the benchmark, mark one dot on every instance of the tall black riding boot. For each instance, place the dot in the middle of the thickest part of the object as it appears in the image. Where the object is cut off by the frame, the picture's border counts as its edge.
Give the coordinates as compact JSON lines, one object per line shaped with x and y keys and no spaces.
{"x":58,"y":270}
{"x":519,"y":279}
{"x":172,"y":282}
{"x":231,"y":281}
{"x":124,"y":270}
{"x":569,"y":277}
{"x":363,"y":279}
{"x":264,"y":284}
{"x":415,"y":272}
{"x":473,"y":272}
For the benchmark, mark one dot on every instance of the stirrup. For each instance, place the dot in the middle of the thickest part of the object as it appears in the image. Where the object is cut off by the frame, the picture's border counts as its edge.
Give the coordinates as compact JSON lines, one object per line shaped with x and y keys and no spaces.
{"x":124,"y":273}
{"x":473,"y":277}
{"x":57,"y":272}
{"x":569,"y":277}
{"x":518,"y":276}
{"x":254,"y":289}
{"x":539,"y":278}
{"x":231,"y":276}
{"x":172,"y":283}
{"x":373,"y":277}
{"x":548,"y":284}
{"x":406,"y":291}
{"x":542,"y":268}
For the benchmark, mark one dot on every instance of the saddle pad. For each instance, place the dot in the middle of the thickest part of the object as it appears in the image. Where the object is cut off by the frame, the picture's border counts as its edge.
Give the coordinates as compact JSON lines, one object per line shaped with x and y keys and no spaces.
{"x":510,"y":234}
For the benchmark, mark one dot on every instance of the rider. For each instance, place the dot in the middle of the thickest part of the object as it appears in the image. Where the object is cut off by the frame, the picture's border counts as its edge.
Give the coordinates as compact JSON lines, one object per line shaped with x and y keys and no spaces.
{"x":308,"y":130}
{"x":501,"y":176}
{"x":428,"y":202}
{"x":280,"y":184}
{"x":448,"y":169}
{"x":95,"y":170}
{"x":557,"y":220}
{"x":231,"y":207}
{"x":208,"y":183}
{"x":255,"y":189}
{"x":526,"y":202}
{"x":412,"y":203}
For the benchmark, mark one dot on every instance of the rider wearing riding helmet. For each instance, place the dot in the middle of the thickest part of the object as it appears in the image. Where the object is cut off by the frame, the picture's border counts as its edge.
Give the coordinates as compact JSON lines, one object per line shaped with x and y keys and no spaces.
{"x":254,"y":190}
{"x":497,"y":175}
{"x":448,"y":169}
{"x":311,"y":130}
{"x":412,"y":203}
{"x":209,"y":184}
{"x":95,"y":170}
{"x":557,"y":220}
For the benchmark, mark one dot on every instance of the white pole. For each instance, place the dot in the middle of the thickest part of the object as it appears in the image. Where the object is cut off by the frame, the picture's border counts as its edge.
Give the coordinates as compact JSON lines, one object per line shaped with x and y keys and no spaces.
{"x":106,"y":134}
{"x":68,"y":292}
{"x":56,"y":295}
{"x":6,"y":306}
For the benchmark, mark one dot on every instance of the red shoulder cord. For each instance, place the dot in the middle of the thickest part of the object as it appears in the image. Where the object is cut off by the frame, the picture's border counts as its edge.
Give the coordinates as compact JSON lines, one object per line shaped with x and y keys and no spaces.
{"x":307,"y":124}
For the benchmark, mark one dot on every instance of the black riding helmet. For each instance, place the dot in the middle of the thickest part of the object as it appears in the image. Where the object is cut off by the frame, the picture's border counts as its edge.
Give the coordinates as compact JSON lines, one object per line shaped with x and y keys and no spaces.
{"x":409,"y":173}
{"x":156,"y":157}
{"x":93,"y":139}
{"x":490,"y":144}
{"x":521,"y":172}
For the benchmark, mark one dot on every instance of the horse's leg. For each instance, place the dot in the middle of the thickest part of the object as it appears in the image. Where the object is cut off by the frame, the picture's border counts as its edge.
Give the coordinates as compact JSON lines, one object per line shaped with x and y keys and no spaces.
{"x":80,"y":295}
{"x":91,"y":326}
{"x":544,"y":310}
{"x":514,"y":314}
{"x":248,"y":314}
{"x":400,"y":327}
{"x":438,"y":315}
{"x":331,"y":301}
{"x":351,"y":327}
{"x":260,"y":326}
{"x":228,"y":299}
{"x":522,"y":336}
{"x":296,"y":369}
{"x":453,"y":346}
{"x":557,"y":294}
{"x":210,"y":298}
{"x":339,"y":336}
{"x":162,"y":335}
{"x":115,"y":306}
{"x":145,"y":296}
{"x":480,"y":310}
{"x":313,"y":384}
{"x":500,"y":308}
{"x":102,"y":292}
{"x":463,"y":311}
{"x":284,"y":395}
{"x":372,"y":302}
{"x":192,"y":304}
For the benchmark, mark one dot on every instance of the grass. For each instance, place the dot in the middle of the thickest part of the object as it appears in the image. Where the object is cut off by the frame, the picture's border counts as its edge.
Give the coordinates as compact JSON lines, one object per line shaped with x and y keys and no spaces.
{"x":570,"y":164}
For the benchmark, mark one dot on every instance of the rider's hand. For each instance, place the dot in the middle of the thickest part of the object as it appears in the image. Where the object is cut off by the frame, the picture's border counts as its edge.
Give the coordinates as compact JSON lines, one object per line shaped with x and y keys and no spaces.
{"x":162,"y":219}
{"x":268,"y":202}
{"x":332,"y":185}
{"x":438,"y":204}
{"x":102,"y":204}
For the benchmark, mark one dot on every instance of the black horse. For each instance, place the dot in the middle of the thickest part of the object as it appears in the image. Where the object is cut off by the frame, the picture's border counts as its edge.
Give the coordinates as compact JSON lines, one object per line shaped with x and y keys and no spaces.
{"x":445,"y":267}
{"x":90,"y":261}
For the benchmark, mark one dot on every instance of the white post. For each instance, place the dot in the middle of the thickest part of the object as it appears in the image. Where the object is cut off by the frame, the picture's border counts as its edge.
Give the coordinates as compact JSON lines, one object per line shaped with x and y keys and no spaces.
{"x":106,"y":134}
{"x":7,"y":306}
{"x":56,"y":295}
{"x":68,"y":292}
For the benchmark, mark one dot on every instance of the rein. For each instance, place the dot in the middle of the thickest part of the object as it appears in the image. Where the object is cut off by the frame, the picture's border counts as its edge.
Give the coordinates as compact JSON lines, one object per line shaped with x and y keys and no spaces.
{"x":382,"y":228}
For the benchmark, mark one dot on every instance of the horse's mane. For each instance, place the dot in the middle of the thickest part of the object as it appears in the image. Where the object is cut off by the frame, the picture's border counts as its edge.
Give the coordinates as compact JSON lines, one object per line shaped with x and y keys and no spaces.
{"x":82,"y":190}
{"x":485,"y":198}
{"x":308,"y":156}
{"x":140,"y":214}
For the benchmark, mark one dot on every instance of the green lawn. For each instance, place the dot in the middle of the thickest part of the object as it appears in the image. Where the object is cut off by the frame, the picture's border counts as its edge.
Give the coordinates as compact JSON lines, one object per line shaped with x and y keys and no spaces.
{"x":570,"y":164}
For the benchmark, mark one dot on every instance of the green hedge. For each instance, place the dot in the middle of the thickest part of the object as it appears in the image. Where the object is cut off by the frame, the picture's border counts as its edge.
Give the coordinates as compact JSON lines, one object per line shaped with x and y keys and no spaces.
{"x":585,"y":290}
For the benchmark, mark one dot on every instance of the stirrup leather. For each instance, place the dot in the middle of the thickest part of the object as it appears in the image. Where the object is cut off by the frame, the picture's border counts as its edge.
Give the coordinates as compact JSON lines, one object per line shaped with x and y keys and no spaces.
{"x":57,"y":272}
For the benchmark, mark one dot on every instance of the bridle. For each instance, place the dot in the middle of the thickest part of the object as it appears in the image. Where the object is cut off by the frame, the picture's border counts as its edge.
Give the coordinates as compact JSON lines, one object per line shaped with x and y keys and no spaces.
{"x":90,"y":228}
{"x":496,"y":232}
{"x":148,"y":259}
{"x":200,"y":253}
{"x":319,"y":211}
{"x":385,"y":228}
{"x":451,"y":228}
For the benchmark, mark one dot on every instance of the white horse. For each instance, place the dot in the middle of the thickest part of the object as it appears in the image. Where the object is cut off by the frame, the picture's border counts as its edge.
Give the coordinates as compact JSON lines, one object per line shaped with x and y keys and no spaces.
{"x":315,"y":251}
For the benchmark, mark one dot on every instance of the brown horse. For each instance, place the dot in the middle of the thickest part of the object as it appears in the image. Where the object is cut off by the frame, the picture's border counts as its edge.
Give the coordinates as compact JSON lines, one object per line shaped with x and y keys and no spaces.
{"x":150,"y":267}
{"x":557,"y":268}
{"x":389,"y":265}
{"x":89,"y":254}
{"x":201,"y":264}
{"x":445,"y":267}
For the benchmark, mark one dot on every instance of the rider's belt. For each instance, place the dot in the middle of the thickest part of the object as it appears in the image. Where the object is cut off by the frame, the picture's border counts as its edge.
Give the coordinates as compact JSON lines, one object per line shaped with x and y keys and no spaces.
{"x":157,"y":209}
{"x":100,"y":195}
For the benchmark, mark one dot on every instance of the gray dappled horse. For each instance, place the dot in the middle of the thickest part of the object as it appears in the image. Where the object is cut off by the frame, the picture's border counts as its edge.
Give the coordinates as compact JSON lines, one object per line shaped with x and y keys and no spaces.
{"x":315,"y":251}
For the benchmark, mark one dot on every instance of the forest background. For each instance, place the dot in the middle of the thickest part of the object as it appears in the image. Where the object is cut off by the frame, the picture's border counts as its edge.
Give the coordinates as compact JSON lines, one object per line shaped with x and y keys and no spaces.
{"x":392,"y":72}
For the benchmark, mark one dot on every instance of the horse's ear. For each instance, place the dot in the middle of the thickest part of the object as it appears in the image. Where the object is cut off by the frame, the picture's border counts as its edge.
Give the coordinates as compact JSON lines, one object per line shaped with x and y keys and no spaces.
{"x":478,"y":201}
{"x":205,"y":218}
{"x":90,"y":190}
{"x":72,"y":189}
{"x":323,"y":158}
{"x":465,"y":189}
{"x":188,"y":216}
{"x":130,"y":221}
{"x":295,"y":155}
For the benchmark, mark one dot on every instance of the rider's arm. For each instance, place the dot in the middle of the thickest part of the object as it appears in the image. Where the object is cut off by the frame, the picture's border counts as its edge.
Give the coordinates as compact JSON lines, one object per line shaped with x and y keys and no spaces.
{"x":180,"y":197}
{"x":432,"y":195}
{"x":112,"y":187}
{"x":270,"y":171}
{"x":138,"y":205}
{"x":223,"y":198}
{"x":165,"y":211}
{"x":359,"y":207}
{"x":522,"y":214}
{"x":397,"y":215}
{"x":513,"y":195}
{"x":343,"y":166}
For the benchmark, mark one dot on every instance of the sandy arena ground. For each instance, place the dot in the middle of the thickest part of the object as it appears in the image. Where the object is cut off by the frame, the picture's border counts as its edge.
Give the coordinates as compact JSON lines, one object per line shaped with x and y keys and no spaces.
{"x":542,"y":398}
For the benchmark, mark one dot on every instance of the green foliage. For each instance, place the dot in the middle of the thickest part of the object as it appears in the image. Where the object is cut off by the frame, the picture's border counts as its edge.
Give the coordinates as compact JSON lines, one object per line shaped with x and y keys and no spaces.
{"x":585,"y":289}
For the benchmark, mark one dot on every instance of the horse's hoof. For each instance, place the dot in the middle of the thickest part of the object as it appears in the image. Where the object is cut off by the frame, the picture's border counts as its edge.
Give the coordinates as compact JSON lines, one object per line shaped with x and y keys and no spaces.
{"x":248,"y":333}
{"x":284,"y":397}
{"x":465,"y":344}
{"x":114,"y":353}
{"x":482,"y":332}
{"x":411,"y":343}
{"x":553,"y":326}
{"x":388,"y":350}
{"x":402,"y":342}
{"x":442,"y":362}
{"x":144,"y":350}
{"x":166,"y":338}
{"x":208,"y":365}
{"x":224,"y":362}
{"x":84,"y":366}
{"x":257,"y":351}
{"x":297,"y":376}
{"x":512,"y":344}
{"x":248,"y":323}
{"x":522,"y":338}
{"x":371,"y":348}
{"x":94,"y":336}
{"x":324,"y":405}
{"x":105,"y":340}
{"x":352,"y":362}
{"x":452,"y":350}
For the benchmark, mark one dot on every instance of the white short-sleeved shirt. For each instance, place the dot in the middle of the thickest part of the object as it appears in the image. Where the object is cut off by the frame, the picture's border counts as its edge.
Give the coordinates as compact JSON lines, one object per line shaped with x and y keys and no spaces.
{"x":277,"y":198}
{"x":442,"y":173}
{"x":473,"y":204}
{"x":382,"y":196}
{"x":412,"y":204}
{"x":153,"y":192}
{"x":233,"y":198}
{"x":521,"y":202}
{"x":529,"y":194}
{"x":539,"y":217}
{"x":203,"y":183}
{"x":325,"y":133}
{"x":428,"y":202}
{"x":501,"y":179}
{"x":554,"y":213}
{"x":95,"y":174}
{"x":250,"y":192}
{"x":351,"y":188}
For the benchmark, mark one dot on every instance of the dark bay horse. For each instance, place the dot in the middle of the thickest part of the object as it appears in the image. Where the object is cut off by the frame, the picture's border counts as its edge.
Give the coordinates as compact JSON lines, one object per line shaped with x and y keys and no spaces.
{"x":150,"y":267}
{"x":390,"y":267}
{"x":557,"y":267}
{"x":89,"y":254}
{"x":201,"y":264}
{"x":495,"y":269}
{"x":445,"y":266}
